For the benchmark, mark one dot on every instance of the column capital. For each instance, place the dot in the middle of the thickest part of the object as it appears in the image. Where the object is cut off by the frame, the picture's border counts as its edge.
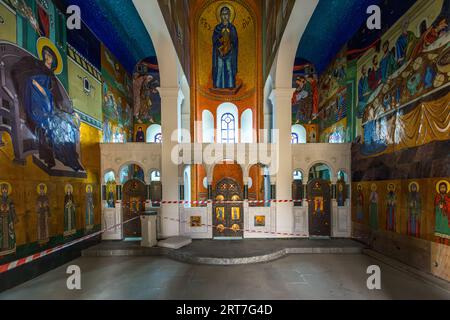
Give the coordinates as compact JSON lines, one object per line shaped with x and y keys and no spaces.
{"x":280,"y":93}
{"x":168,"y":92}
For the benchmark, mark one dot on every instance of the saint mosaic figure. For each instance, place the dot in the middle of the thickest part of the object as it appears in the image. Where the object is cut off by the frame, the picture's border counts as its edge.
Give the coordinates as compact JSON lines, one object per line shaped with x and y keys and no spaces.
{"x":442,"y":212}
{"x":341,"y":194}
{"x":89,"y":208}
{"x":49,"y":113}
{"x":363,"y":92}
{"x":43,"y":213}
{"x":405,"y":43}
{"x":225,"y":51}
{"x":69,"y":212}
{"x":359,"y":203}
{"x":391,"y":203}
{"x":110,"y":197}
{"x":8,"y":219}
{"x":414,"y":207}
{"x":388,"y":64}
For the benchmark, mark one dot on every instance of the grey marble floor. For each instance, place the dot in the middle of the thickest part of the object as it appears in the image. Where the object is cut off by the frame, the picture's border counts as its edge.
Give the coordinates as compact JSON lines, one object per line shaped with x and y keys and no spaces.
{"x":307,"y":276}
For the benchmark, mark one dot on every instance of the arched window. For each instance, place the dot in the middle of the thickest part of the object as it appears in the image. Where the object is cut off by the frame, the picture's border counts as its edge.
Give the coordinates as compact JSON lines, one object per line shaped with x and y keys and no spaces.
{"x":320,"y":171}
{"x":158,"y":138}
{"x":152,"y":132}
{"x":298,"y":175}
{"x":228,"y":128}
{"x":297,"y":188}
{"x":227,"y":123}
{"x":109,"y":176}
{"x":155,"y":176}
{"x":247,"y":126}
{"x":299,"y":132}
{"x":208,"y":126}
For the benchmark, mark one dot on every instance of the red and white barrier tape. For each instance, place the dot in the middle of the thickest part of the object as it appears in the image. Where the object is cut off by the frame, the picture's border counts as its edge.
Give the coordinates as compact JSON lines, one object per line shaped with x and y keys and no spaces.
{"x":211,"y":201}
{"x":17,"y":263}
{"x":301,"y":235}
{"x":14,"y":264}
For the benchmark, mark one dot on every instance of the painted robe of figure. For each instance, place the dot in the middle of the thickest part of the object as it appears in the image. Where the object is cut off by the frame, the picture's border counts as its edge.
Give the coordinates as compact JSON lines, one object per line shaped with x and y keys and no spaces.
{"x":414,"y":212}
{"x":404,"y":45}
{"x":43,"y":213}
{"x":69,"y":214}
{"x":341,"y":194}
{"x":110,"y":197}
{"x":360,"y":206}
{"x":442,"y":214}
{"x":48,"y":110}
{"x":391,"y":203}
{"x":7,"y":220}
{"x":89,"y":210}
{"x":363,"y":93}
{"x":388,"y":64}
{"x":373,"y":211}
{"x":225,"y":52}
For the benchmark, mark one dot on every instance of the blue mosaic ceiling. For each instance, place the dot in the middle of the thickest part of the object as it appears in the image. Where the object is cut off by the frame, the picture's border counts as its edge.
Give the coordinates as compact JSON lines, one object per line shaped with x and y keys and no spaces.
{"x":118,"y":25}
{"x":335,"y":22}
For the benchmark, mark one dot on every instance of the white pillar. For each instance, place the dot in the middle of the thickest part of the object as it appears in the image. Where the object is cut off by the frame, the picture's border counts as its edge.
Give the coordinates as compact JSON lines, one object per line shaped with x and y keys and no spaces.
{"x":169,"y":169}
{"x":281,"y":100}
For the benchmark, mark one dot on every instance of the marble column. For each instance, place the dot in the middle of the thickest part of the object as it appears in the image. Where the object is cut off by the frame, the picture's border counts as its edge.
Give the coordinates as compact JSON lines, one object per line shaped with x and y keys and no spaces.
{"x":281,"y":100}
{"x":169,"y":169}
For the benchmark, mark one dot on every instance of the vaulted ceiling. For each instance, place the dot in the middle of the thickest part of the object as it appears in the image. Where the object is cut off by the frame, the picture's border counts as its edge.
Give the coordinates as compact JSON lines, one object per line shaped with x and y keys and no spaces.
{"x":336,"y":22}
{"x":118,"y":25}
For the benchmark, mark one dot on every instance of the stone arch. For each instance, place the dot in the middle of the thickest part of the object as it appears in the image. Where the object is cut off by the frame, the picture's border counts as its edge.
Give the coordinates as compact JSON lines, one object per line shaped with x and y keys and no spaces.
{"x":104,"y":172}
{"x":327,"y":163}
{"x":153,"y":20}
{"x":282,"y":68}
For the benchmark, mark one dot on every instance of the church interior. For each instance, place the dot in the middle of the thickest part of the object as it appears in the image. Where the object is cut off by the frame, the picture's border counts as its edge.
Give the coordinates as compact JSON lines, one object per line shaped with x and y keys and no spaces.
{"x":263,"y":134}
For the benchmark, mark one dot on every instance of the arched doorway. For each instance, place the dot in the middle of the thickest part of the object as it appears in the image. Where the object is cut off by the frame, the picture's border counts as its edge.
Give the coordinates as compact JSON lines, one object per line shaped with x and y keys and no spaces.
{"x":259,"y":186}
{"x":155,"y":188}
{"x":319,"y":198}
{"x":134,"y":196}
{"x":228,"y":212}
{"x":297,"y":188}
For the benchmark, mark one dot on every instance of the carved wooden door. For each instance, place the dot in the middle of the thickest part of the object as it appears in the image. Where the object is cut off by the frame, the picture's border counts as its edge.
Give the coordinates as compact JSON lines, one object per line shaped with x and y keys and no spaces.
{"x":319,"y":199}
{"x":134,"y":196}
{"x":228,"y":212}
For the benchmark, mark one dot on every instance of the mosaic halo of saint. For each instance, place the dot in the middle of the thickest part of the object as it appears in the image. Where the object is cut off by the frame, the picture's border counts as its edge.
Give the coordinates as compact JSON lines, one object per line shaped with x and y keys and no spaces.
{"x":50,"y":55}
{"x":41,"y":189}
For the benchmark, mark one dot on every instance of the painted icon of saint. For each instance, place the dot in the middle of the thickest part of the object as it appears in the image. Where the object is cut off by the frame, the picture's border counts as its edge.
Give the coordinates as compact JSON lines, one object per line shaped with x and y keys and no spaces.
{"x":360,"y":203}
{"x":373,"y":208}
{"x":8,"y":219}
{"x":69,"y":212}
{"x":89,"y":214}
{"x":414,"y":205}
{"x":391,"y":203}
{"x":110,"y":197}
{"x":341,"y":193}
{"x":220,"y":214}
{"x":225,"y":51}
{"x":43,"y":213}
{"x":442,"y":212}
